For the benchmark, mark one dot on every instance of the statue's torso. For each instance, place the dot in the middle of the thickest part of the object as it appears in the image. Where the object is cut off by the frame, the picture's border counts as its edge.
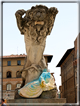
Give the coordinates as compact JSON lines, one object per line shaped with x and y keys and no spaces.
{"x":34,"y":48}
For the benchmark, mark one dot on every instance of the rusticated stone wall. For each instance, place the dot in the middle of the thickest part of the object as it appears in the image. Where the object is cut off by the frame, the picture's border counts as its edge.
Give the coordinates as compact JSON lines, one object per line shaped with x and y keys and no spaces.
{"x":69,"y":74}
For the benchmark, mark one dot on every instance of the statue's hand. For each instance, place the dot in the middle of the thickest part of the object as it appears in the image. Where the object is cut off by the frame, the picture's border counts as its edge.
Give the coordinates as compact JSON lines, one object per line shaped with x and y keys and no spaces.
{"x":19,"y":19}
{"x":20,"y":12}
{"x":53,"y":10}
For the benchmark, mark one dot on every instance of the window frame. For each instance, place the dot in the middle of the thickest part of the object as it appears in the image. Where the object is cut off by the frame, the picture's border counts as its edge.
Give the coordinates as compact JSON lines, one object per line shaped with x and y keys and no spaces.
{"x":17,"y":75}
{"x":7,"y":87}
{"x":7,"y":73}
{"x":17,"y":86}
{"x":18,"y":62}
{"x":8,"y":64}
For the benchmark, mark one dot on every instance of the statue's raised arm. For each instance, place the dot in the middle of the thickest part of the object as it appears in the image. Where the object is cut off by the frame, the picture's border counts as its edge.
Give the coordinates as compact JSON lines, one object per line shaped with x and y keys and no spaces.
{"x":51,"y":18}
{"x":20,"y":20}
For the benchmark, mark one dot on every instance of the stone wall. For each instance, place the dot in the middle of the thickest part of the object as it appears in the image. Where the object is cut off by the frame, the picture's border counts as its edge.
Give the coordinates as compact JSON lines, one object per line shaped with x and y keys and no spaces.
{"x":68,"y":84}
{"x":69,"y":74}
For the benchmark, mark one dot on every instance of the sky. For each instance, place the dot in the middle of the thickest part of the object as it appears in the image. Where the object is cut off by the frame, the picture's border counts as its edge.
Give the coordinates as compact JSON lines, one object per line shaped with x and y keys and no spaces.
{"x":62,"y":37}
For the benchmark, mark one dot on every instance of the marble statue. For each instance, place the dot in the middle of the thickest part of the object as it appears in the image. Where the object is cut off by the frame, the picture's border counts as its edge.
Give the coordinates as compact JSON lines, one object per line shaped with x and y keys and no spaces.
{"x":35,"y":24}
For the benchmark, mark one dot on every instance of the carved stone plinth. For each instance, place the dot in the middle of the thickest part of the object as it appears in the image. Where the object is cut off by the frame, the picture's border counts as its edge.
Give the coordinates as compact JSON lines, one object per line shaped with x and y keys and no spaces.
{"x":44,"y":95}
{"x":49,"y":94}
{"x":37,"y":102}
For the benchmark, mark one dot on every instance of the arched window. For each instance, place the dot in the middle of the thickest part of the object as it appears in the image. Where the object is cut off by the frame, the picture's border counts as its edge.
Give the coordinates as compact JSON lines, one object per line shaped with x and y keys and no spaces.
{"x":8,"y":86}
{"x":18,"y":85}
{"x":18,"y":75}
{"x":8,"y":74}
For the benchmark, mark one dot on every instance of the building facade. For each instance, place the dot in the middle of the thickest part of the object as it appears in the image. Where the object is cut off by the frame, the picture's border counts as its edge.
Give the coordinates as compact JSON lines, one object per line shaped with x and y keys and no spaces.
{"x":11,"y":79}
{"x":68,"y":65}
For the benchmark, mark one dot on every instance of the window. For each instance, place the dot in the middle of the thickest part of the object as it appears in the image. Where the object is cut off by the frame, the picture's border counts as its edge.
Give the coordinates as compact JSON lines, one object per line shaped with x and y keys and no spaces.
{"x":18,"y":75}
{"x":8,"y":86}
{"x":19,"y":62}
{"x":9,"y":63}
{"x":8,"y":74}
{"x":18,"y":85}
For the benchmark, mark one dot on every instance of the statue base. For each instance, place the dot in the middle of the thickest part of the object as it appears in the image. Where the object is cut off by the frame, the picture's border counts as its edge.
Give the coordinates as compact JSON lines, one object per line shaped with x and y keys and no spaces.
{"x":45,"y":94}
{"x":37,"y":102}
{"x":47,"y":98}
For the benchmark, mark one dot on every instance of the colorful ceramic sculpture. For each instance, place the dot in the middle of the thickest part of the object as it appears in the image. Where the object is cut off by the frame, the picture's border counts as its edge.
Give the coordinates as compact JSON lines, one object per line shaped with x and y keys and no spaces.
{"x":36,"y":87}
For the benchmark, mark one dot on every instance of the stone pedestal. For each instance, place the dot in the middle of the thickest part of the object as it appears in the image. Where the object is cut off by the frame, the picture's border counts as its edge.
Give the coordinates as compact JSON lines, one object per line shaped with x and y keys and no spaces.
{"x":44,"y":95}
{"x":37,"y":102}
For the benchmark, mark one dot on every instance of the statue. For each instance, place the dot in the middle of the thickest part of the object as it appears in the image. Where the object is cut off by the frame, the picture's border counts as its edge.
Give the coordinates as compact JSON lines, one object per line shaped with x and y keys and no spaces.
{"x":36,"y":25}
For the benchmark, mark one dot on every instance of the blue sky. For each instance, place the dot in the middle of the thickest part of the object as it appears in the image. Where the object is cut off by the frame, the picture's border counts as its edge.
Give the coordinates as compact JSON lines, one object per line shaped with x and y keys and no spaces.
{"x":62,"y":37}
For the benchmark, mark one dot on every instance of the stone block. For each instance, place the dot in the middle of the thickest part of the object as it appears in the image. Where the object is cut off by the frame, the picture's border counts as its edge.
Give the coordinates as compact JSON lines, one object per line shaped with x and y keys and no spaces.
{"x":49,"y":94}
{"x":44,"y":95}
{"x":37,"y":102}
